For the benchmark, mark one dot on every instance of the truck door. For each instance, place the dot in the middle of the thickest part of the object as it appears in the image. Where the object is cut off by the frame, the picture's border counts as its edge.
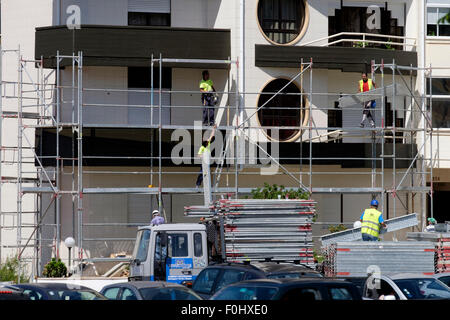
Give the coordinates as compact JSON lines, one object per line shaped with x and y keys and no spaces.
{"x":200,"y":258}
{"x":179,"y":263}
{"x":139,"y":267}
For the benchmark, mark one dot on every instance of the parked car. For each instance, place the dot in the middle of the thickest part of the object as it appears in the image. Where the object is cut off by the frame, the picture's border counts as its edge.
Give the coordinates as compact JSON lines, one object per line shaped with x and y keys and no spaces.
{"x":215,"y":277}
{"x":443,"y":277}
{"x":407,"y":286}
{"x":57,"y":291}
{"x":359,"y":282}
{"x":12,"y":294}
{"x":289,"y":290}
{"x":148,"y":290}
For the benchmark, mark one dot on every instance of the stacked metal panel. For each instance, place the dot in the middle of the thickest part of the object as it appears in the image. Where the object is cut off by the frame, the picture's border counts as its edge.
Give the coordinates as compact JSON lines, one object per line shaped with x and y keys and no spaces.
{"x":260,"y":229}
{"x":353,"y":259}
{"x":442,"y":243}
{"x":199,"y":211}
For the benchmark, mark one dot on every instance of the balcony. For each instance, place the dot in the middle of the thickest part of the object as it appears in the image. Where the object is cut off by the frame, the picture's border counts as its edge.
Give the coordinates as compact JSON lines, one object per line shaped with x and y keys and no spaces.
{"x":131,"y":46}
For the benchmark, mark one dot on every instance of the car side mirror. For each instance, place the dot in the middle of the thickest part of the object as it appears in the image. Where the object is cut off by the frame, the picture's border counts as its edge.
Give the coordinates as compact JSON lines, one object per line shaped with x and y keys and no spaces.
{"x":187,"y":284}
{"x":137,"y":262}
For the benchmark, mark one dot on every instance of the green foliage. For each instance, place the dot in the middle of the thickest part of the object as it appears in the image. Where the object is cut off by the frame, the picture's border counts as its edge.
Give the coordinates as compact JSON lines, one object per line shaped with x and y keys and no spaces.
{"x":273,"y":191}
{"x":55,"y":269}
{"x":318,"y":257}
{"x":444,"y":19}
{"x":339,"y":227}
{"x":389,"y":46}
{"x":360,"y":44}
{"x":10,"y":269}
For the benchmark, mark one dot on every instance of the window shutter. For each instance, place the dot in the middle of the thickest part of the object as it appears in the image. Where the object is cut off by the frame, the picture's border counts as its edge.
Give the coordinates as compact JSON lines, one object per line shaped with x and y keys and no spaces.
{"x":156,"y":6}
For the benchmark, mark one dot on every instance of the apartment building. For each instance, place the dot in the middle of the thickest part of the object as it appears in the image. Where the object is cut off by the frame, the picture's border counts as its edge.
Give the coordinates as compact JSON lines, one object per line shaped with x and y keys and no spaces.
{"x":141,"y":119}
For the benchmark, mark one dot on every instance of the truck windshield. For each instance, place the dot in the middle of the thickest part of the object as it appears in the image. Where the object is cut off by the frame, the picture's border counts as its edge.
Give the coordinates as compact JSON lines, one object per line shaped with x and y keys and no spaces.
{"x":141,"y":247}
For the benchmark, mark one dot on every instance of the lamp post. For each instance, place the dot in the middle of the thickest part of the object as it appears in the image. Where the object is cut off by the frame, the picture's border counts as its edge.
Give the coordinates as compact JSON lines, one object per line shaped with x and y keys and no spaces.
{"x":70,"y":243}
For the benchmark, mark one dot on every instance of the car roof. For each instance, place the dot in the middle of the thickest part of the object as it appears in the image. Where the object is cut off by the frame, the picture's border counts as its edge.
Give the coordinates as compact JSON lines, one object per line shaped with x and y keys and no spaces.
{"x":402,"y":276}
{"x":274,"y":267}
{"x":292,"y":281}
{"x":233,"y":265}
{"x":147,"y":284}
{"x":49,"y":286}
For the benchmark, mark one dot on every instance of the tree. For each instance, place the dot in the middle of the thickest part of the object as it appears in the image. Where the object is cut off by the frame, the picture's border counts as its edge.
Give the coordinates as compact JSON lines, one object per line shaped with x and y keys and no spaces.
{"x":10,"y":269}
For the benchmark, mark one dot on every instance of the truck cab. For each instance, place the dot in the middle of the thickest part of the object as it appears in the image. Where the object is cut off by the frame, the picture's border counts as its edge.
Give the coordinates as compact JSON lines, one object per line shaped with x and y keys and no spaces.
{"x":169,"y":252}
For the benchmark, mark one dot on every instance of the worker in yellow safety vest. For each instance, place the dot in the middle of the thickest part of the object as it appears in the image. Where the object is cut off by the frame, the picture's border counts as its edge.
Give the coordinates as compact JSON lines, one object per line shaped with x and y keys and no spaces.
{"x":206,"y":146}
{"x":371,"y":219}
{"x":366,"y":84}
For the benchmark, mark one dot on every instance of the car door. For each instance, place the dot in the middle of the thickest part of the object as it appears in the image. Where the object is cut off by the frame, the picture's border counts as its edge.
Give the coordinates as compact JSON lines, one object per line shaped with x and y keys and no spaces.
{"x":205,"y":282}
{"x":179,"y":262}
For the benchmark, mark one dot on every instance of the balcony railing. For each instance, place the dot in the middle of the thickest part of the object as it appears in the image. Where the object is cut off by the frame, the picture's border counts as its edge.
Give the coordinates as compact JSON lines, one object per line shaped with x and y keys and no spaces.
{"x":360,"y":39}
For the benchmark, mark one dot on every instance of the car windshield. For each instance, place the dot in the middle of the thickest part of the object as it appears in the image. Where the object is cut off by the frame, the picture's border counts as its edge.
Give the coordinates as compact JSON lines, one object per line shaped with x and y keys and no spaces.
{"x":75,"y":295}
{"x":168,"y":294}
{"x":245,"y":293}
{"x":423,"y":289}
{"x":141,"y":247}
{"x":294,"y":275}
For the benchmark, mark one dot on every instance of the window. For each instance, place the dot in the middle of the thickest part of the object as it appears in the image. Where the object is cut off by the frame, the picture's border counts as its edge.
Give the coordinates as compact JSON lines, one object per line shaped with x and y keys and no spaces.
{"x":436,"y":11}
{"x":423,"y":289}
{"x":205,"y":280}
{"x":141,"y":247}
{"x":140,"y":77}
{"x":178,"y":245}
{"x":340,"y":294}
{"x":34,"y":295}
{"x":149,"y":19}
{"x":127,"y":294}
{"x":445,"y":280}
{"x":282,"y":109}
{"x":246,"y":293}
{"x":440,"y":116}
{"x":229,"y":277}
{"x":281,"y":21}
{"x":111,"y":293}
{"x":198,"y":246}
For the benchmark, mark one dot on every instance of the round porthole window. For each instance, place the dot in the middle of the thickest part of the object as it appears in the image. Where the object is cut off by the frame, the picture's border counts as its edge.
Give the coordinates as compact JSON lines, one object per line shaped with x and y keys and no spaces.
{"x":282,"y":21}
{"x":286,"y":109}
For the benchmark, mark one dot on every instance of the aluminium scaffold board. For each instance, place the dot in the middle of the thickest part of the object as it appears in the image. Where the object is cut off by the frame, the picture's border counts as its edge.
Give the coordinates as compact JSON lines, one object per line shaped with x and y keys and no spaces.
{"x":354,"y":234}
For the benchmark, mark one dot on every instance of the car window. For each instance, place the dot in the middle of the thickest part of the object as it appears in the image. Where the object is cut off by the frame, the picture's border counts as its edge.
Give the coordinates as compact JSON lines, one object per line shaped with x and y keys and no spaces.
{"x":245,"y":293}
{"x":229,"y":277}
{"x":178,"y":245}
{"x":198,"y":245}
{"x":423,"y":289}
{"x":181,"y":294}
{"x":382,"y":289}
{"x":302,"y":294}
{"x":127,"y":294}
{"x":75,"y":295}
{"x":445,"y":280}
{"x":251,"y":275}
{"x":340,"y":294}
{"x":205,"y":280}
{"x":111,"y":293}
{"x":33,"y":294}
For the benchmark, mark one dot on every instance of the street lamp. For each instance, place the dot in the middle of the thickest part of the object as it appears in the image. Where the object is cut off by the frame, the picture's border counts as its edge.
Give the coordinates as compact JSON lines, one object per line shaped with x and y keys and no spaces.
{"x":70,"y":243}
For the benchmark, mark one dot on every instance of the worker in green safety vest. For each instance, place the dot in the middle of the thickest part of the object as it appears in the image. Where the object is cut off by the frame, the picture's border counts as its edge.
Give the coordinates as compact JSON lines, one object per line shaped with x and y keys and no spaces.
{"x":371,"y":220}
{"x":206,"y":146}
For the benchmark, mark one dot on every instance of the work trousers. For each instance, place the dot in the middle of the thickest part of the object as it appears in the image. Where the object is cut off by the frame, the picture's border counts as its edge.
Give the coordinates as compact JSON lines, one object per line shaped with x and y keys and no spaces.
{"x":208,"y":112}
{"x":367,"y":114}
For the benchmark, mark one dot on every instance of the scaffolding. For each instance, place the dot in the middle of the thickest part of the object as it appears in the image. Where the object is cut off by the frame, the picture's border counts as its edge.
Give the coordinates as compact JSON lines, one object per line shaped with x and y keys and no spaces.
{"x":50,"y":105}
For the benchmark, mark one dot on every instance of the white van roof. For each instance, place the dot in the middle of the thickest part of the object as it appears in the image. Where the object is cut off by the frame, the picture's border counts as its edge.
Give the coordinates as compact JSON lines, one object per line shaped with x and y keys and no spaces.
{"x":176,"y":227}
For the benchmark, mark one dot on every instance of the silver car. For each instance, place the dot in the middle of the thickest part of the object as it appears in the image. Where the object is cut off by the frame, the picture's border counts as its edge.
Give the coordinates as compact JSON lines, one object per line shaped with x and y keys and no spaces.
{"x":406,"y":286}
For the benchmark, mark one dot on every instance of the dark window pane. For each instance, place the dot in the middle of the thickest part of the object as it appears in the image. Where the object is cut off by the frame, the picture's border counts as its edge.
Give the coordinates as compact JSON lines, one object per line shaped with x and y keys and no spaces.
{"x":431,"y":30}
{"x":441,"y":86}
{"x":229,"y":277}
{"x":281,"y":20}
{"x":198,"y":248}
{"x":205,"y":281}
{"x":140,"y":77}
{"x":148,"y":19}
{"x":444,"y":30}
{"x":441,"y":114}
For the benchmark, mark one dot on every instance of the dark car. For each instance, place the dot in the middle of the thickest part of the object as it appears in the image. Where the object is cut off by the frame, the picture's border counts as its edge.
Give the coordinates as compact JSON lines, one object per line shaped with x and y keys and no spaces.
{"x":148,"y":290}
{"x":12,"y":294}
{"x":215,"y":277}
{"x":289,"y":290}
{"x":359,"y":282}
{"x":57,"y":291}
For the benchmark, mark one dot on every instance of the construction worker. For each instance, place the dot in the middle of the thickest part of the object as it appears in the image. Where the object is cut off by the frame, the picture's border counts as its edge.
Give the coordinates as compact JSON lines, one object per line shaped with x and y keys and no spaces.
{"x":157,"y":219}
{"x":431,"y":225}
{"x":371,"y":219}
{"x":207,"y":89}
{"x":366,"y":84}
{"x":206,"y":146}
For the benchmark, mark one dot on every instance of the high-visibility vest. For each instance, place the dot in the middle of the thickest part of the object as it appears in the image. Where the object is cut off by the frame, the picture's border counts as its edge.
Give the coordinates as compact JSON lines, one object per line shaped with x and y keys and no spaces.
{"x":203,"y":149}
{"x":361,"y":85}
{"x":206,"y":85}
{"x":370,"y":222}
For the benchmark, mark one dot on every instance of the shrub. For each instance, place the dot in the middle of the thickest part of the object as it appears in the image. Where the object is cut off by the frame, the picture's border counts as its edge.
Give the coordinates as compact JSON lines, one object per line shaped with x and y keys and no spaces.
{"x":10,"y":269}
{"x":339,"y":227}
{"x":55,"y":269}
{"x":273,"y":191}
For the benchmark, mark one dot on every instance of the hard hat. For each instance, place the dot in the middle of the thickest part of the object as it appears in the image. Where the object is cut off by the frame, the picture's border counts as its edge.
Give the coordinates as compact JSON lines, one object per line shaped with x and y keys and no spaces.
{"x":432,"y":220}
{"x":357,"y":224}
{"x":155,"y":212}
{"x":374,"y":203}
